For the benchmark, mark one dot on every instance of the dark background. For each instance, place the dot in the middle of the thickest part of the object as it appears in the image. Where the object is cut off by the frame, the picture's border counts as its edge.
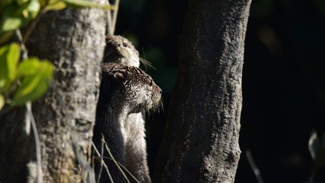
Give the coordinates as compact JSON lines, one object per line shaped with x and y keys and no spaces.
{"x":283,"y":79}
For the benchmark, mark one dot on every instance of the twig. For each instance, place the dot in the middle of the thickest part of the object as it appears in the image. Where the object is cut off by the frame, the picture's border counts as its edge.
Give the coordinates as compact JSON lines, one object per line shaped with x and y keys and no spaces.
{"x":98,"y":154}
{"x":116,"y":5}
{"x":254,"y":167}
{"x":101,"y":161}
{"x":37,"y":142}
{"x":109,"y":21}
{"x":28,"y":105}
{"x":32,"y":25}
{"x":127,"y":171}
{"x":19,"y":38}
{"x":115,"y":162}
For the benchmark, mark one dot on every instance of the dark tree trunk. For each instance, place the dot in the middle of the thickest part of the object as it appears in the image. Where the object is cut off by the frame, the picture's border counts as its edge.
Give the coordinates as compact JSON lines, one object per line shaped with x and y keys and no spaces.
{"x":73,"y":40}
{"x":201,"y":139}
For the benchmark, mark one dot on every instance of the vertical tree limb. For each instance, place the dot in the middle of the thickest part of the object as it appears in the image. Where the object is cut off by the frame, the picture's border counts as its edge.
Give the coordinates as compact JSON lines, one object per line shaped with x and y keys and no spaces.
{"x":74,"y":42}
{"x":201,"y":138}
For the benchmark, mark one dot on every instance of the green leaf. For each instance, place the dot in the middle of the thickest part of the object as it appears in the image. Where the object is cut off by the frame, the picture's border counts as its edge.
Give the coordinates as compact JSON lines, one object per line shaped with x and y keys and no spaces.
{"x":29,"y":10}
{"x":16,"y":15}
{"x":12,"y":23}
{"x":20,"y":2}
{"x":3,"y":82}
{"x":57,"y":5}
{"x":33,"y":8}
{"x":22,"y":6}
{"x":76,"y":4}
{"x":13,"y":58}
{"x":5,"y":37}
{"x":9,"y":57}
{"x":10,"y":18}
{"x":42,"y":3}
{"x":31,"y":89}
{"x":34,"y":86}
{"x":29,"y":67}
{"x":2,"y":101}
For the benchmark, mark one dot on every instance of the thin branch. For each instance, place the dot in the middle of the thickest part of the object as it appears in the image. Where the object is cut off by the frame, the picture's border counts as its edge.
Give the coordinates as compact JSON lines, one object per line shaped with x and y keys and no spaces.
{"x":101,"y":161}
{"x":24,"y":55}
{"x":254,"y":167}
{"x":37,"y":142}
{"x":109,"y":21}
{"x":116,"y":5}
{"x":115,"y":162}
{"x":98,"y":154}
{"x":127,"y":171}
{"x":19,"y":38}
{"x":32,"y":25}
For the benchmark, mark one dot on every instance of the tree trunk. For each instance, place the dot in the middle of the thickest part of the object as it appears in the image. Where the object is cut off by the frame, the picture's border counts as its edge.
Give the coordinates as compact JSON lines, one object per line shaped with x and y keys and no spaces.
{"x":201,"y":139}
{"x":73,"y":40}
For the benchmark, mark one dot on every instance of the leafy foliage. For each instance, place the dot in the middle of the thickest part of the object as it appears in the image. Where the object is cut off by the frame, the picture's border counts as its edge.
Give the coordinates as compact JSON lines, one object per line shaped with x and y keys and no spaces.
{"x":16,"y":15}
{"x":26,"y":80}
{"x":75,"y":4}
{"x":33,"y":73}
{"x":37,"y":75}
{"x":9,"y":57}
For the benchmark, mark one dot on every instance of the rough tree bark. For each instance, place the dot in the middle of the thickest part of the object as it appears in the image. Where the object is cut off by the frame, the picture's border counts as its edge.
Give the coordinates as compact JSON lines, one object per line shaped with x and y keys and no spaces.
{"x":201,"y":139}
{"x":73,"y":40}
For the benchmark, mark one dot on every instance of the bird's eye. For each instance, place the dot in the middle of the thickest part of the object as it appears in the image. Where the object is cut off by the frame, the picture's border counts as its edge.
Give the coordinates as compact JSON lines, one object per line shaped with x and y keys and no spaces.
{"x":124,"y":44}
{"x":118,"y":45}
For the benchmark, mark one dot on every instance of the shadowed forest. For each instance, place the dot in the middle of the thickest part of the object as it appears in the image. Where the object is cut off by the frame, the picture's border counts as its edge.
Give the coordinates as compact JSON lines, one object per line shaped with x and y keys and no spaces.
{"x":282,"y":136}
{"x":283,"y":79}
